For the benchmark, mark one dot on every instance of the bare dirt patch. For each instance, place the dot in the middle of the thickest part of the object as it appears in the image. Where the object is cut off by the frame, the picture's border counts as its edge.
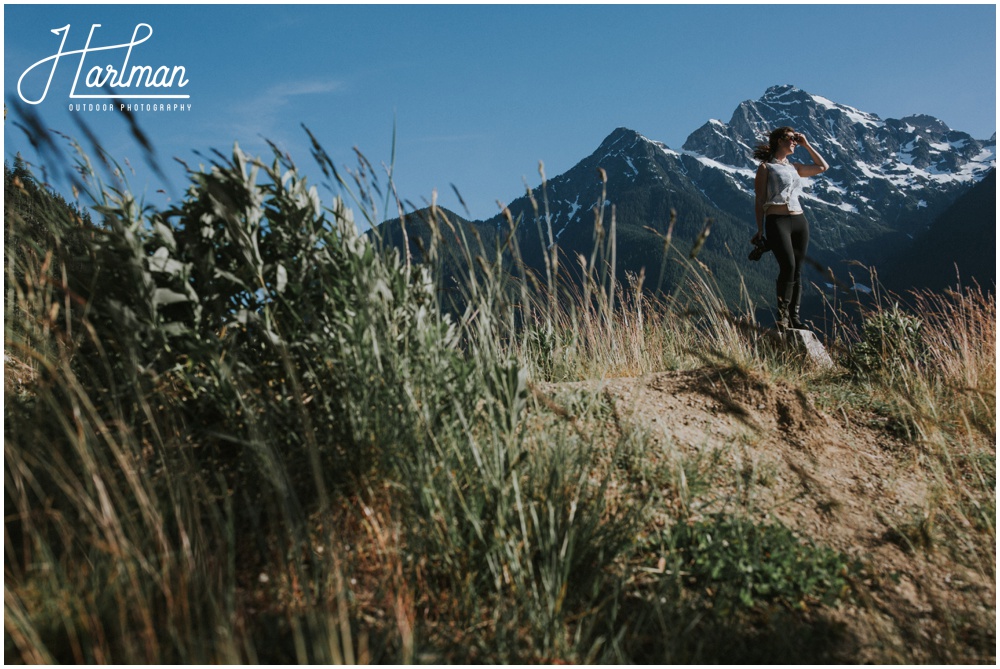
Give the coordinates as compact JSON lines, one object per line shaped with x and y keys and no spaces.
{"x":839,"y":478}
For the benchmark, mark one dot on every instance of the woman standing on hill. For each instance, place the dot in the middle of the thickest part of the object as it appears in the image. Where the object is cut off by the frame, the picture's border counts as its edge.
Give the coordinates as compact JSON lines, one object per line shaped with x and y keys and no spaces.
{"x":777,"y":186}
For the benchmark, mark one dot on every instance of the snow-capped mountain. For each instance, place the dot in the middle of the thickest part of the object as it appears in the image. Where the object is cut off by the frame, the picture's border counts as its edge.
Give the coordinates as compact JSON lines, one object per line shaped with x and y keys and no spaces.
{"x":889,"y":179}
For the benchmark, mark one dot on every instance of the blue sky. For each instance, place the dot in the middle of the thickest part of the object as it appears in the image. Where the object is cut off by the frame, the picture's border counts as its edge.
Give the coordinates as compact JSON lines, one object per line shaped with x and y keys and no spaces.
{"x":478,"y":95}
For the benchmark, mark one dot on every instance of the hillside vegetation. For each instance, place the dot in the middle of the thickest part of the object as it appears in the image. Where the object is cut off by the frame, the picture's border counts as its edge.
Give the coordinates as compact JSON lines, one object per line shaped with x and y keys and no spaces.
{"x":239,"y":430}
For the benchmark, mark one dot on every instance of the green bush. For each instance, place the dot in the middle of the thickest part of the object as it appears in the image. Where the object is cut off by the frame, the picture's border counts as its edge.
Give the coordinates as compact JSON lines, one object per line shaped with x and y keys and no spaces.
{"x":726,"y":589}
{"x":889,"y":340}
{"x":736,"y":564}
{"x":284,"y":331}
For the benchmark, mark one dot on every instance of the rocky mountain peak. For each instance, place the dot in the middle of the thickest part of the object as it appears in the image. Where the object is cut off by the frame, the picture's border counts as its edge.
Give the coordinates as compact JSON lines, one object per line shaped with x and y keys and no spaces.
{"x":620,"y":136}
{"x":625,"y":140}
{"x":785,"y":94}
{"x":925,"y":123}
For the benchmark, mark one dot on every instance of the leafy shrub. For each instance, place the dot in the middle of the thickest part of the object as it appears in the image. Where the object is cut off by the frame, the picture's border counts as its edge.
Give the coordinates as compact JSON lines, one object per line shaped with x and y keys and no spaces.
{"x":889,"y":340}
{"x":287,"y":336}
{"x":728,"y":590}
{"x":736,"y":563}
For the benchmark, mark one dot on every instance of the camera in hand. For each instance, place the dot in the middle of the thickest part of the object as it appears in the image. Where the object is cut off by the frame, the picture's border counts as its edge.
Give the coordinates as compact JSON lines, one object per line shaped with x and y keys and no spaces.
{"x":759,"y":249}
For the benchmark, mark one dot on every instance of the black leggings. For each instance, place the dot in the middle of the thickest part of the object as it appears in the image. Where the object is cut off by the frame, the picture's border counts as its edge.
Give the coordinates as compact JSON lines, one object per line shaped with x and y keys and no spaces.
{"x":788,"y":238}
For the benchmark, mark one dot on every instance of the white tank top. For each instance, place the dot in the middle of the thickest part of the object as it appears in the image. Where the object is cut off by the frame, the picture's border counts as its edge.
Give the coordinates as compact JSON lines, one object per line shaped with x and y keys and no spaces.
{"x":783,"y":186}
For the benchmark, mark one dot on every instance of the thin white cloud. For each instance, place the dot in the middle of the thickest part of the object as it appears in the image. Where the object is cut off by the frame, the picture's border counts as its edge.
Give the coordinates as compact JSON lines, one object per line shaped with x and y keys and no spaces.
{"x":288,"y":89}
{"x":265,"y":105}
{"x":263,"y":115}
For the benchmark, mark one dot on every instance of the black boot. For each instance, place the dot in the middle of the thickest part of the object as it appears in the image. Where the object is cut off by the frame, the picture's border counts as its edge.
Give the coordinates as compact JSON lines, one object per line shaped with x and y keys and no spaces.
{"x":785,"y":291}
{"x":782,"y":320}
{"x":793,"y":308}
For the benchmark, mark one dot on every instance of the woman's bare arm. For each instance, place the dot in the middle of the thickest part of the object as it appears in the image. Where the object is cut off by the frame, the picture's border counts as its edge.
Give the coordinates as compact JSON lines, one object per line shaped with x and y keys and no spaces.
{"x":819,"y":165}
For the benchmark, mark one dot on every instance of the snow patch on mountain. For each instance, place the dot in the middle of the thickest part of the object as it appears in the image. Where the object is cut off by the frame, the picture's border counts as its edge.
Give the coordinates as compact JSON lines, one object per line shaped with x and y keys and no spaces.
{"x":635,"y":170}
{"x":856,"y":116}
{"x":715,"y":164}
{"x":574,"y":207}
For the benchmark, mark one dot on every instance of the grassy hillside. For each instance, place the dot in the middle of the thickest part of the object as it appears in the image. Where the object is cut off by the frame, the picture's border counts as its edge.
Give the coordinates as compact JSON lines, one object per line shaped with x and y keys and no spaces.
{"x":239,"y":430}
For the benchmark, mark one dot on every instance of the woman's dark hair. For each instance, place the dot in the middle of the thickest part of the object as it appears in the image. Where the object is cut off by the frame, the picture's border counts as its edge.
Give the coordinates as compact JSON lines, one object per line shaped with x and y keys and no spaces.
{"x":764,"y":152}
